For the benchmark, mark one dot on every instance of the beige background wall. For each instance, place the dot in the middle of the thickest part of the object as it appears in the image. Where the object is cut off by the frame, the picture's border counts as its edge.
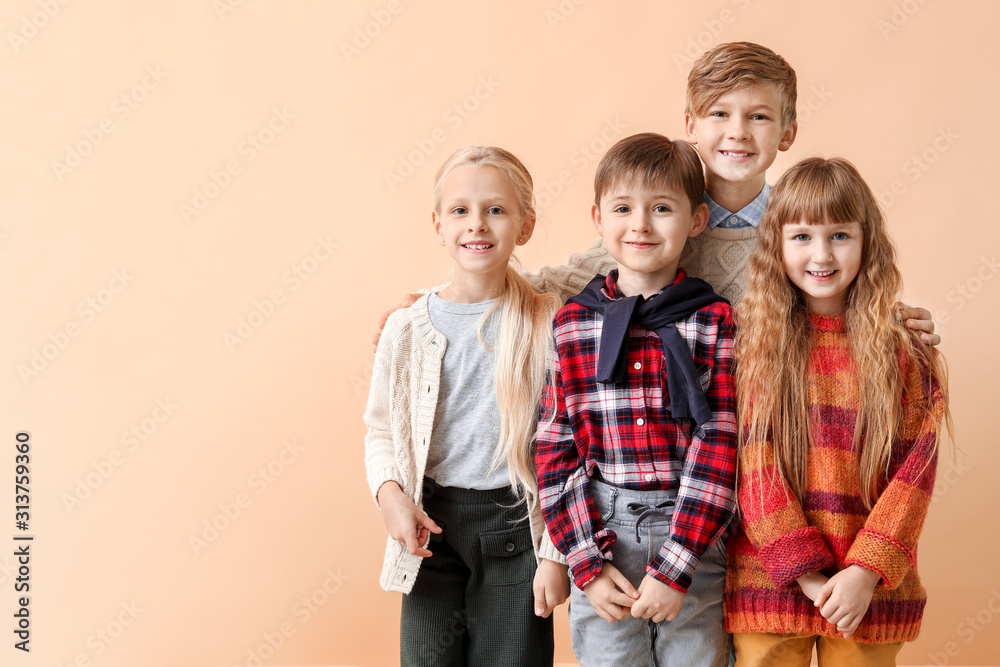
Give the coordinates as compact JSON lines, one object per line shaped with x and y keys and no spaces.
{"x":197,"y":235}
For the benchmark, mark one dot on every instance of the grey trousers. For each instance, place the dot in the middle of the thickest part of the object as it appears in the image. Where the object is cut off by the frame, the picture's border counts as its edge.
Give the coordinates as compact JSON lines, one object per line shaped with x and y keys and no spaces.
{"x":472,"y":602}
{"x":696,"y":638}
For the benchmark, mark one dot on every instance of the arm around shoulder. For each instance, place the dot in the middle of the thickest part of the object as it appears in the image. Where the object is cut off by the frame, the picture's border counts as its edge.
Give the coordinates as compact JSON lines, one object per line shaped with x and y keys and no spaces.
{"x":569,"y":279}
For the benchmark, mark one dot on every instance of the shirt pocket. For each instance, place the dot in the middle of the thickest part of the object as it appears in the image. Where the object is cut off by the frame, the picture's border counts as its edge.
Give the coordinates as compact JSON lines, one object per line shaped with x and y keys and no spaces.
{"x":704,"y":375}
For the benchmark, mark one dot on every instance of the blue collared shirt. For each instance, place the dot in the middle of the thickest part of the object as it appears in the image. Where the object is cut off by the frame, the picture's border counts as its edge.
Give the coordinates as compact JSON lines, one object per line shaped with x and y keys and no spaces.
{"x":748,"y":216}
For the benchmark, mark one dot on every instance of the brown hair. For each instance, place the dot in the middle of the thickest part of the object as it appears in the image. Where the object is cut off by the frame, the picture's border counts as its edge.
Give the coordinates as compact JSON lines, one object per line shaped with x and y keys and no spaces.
{"x":652,"y":159}
{"x":737,"y":65}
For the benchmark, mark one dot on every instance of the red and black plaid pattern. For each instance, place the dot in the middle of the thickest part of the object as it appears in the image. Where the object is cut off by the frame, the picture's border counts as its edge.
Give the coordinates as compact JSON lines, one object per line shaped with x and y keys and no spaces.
{"x":624,"y":432}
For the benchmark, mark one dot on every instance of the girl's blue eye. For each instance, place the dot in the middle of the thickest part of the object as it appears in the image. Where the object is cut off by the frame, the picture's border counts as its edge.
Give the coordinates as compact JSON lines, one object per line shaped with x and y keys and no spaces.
{"x":460,"y":210}
{"x":495,"y":210}
{"x":801,"y":237}
{"x":841,"y":236}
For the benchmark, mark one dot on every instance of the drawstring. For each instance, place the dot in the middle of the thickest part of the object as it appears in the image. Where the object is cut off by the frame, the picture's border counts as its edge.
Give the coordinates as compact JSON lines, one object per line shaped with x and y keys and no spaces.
{"x":645,"y":511}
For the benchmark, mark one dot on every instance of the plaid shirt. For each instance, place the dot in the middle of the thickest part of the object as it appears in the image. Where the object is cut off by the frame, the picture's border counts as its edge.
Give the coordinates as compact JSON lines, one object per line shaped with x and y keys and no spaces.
{"x":625,"y":433}
{"x":748,"y":216}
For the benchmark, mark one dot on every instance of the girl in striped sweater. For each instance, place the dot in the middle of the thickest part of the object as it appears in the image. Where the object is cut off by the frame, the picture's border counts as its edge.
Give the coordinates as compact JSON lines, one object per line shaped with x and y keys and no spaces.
{"x":840,"y":410}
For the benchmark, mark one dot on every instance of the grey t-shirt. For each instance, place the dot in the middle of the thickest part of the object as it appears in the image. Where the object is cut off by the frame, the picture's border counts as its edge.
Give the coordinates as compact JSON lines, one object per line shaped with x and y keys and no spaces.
{"x":466,"y":423}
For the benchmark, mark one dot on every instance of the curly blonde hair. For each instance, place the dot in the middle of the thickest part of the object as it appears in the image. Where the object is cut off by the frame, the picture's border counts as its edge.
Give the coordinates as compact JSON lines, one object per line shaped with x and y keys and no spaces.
{"x":772,"y":342}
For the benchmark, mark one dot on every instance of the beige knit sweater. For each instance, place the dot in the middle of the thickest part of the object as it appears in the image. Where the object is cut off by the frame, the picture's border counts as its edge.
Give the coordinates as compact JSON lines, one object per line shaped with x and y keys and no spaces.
{"x":717,"y":256}
{"x":406,"y":377}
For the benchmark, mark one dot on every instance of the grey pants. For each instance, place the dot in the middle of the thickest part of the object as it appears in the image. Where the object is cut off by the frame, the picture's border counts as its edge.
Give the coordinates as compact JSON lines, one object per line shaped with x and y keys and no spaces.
{"x":696,"y":638}
{"x":472,"y":603}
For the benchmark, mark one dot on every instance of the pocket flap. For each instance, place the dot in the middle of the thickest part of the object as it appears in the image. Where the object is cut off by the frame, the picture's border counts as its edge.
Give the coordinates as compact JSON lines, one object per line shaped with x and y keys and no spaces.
{"x":508,"y":542}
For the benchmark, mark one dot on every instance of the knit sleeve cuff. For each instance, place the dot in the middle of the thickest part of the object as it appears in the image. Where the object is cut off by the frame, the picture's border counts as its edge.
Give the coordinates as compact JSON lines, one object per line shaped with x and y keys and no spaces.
{"x":790,"y":556}
{"x":881,"y":554}
{"x":586,"y":560}
{"x":379,"y":477}
{"x":548,"y":551}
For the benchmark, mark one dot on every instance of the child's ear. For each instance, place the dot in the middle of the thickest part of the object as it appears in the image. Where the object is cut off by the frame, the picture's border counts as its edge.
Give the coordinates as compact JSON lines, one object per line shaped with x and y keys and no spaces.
{"x":699,"y":219}
{"x":527,"y":227}
{"x":690,"y":127}
{"x":788,"y":138}
{"x":595,"y":213}
{"x":436,"y":225}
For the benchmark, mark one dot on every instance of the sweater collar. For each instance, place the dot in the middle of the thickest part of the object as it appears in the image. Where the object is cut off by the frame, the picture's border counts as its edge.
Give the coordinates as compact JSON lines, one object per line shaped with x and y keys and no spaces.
{"x":835,"y":323}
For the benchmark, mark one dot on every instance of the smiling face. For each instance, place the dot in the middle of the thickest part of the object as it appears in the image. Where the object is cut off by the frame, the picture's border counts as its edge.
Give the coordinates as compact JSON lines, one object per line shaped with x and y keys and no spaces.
{"x":822,"y":260}
{"x":480,"y":223}
{"x":644,"y":230}
{"x":740,"y":134}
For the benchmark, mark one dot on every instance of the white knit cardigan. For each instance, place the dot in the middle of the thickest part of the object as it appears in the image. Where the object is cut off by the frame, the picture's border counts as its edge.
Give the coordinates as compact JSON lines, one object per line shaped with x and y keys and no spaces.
{"x":406,"y":377}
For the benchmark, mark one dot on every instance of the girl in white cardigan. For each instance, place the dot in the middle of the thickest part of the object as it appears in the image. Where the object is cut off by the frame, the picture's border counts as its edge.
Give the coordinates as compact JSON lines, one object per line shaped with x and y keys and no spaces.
{"x":450,"y":447}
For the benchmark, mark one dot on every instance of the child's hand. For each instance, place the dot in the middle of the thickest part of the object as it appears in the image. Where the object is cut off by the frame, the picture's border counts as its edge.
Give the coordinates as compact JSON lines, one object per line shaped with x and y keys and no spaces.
{"x":551,"y":587}
{"x":811,"y":583}
{"x":919,"y":319}
{"x":610,"y":594}
{"x":405,"y":303}
{"x":404,"y":520}
{"x":657,"y":601}
{"x":844,"y":599}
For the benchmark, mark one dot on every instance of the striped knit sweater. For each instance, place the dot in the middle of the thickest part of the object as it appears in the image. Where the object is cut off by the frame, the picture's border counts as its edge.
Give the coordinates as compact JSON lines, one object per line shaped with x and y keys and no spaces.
{"x":781,"y":539}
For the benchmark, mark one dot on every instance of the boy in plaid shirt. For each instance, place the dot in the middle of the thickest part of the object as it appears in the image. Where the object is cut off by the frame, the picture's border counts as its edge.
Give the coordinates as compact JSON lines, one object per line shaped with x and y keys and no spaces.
{"x":636,"y":453}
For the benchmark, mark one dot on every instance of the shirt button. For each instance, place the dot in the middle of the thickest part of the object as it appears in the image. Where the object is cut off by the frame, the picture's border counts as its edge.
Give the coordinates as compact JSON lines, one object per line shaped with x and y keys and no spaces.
{"x":649,"y":477}
{"x":640,"y":421}
{"x":637,"y":365}
{"x":509,"y":547}
{"x":734,"y":220}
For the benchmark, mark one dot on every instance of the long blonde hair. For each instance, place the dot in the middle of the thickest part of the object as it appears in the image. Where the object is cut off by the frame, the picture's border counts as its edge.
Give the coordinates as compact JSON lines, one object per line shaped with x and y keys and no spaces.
{"x":772,"y":341}
{"x":522,"y":348}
